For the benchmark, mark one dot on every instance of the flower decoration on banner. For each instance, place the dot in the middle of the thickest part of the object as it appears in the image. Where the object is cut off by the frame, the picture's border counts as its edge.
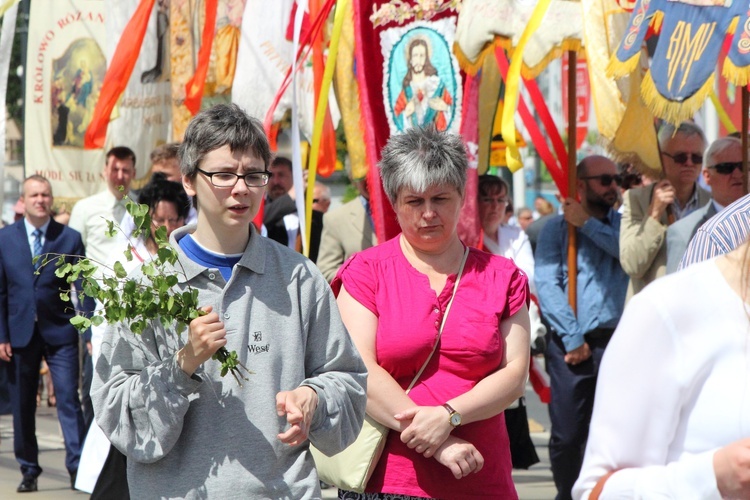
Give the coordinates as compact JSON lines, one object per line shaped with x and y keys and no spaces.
{"x":400,"y":11}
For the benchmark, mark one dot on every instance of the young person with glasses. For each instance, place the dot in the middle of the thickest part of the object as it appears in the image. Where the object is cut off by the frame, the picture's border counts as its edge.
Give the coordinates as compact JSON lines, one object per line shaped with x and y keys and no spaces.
{"x":649,"y":210}
{"x":187,"y":431}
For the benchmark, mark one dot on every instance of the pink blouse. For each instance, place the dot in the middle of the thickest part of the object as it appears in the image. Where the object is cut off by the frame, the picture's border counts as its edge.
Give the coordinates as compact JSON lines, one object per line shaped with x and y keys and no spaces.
{"x":409,"y":314}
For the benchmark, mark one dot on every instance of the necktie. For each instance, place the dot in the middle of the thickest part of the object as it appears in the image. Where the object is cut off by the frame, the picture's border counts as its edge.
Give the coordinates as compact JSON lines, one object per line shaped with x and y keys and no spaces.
{"x":37,"y":246}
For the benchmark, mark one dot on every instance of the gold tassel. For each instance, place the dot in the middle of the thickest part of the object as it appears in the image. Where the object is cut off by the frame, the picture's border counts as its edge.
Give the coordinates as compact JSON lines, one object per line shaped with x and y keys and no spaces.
{"x":674,"y":112}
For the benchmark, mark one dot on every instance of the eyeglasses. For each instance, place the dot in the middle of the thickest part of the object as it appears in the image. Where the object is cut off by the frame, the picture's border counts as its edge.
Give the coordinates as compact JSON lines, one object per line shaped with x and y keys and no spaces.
{"x":682,"y":158}
{"x":605,"y":179}
{"x":490,"y":199}
{"x":728,"y":167}
{"x":229,"y":179}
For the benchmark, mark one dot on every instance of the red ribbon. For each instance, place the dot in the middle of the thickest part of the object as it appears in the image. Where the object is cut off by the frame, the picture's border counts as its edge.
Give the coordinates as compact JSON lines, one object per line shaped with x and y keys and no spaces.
{"x":118,"y":75}
{"x":194,"y":87}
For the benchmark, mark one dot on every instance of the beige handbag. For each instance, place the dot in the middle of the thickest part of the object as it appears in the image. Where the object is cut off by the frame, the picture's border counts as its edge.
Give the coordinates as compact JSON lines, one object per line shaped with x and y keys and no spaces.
{"x":351,"y":469}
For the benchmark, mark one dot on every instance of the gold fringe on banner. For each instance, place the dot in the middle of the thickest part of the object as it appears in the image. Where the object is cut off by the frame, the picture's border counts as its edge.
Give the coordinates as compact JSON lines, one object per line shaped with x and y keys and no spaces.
{"x":734,"y":74}
{"x":674,"y":112}
{"x":472,"y":67}
{"x":618,"y":69}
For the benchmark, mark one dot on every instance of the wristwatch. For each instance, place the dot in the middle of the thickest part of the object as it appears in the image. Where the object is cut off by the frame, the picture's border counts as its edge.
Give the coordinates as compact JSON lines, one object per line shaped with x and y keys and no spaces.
{"x":453,"y":416}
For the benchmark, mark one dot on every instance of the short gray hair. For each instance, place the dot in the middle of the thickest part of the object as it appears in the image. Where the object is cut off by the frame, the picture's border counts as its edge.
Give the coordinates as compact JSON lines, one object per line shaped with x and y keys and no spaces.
{"x":667,"y":131}
{"x":218,"y":126}
{"x":719,"y":146}
{"x":421,"y":158}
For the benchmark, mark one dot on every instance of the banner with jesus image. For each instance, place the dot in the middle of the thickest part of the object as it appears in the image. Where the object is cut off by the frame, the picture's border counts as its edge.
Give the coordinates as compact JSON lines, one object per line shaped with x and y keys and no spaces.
{"x":421,"y":79}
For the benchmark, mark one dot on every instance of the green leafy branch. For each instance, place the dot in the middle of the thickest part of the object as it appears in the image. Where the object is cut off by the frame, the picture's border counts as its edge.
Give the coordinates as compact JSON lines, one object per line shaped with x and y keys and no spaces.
{"x":138,"y":301}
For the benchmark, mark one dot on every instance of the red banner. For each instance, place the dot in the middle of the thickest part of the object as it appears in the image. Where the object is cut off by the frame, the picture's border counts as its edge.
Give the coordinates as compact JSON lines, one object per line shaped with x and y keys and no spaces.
{"x":583,"y":98}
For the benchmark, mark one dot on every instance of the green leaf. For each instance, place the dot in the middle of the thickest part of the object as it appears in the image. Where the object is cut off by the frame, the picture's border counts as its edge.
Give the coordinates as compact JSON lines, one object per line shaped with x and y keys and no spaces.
{"x":97,"y":320}
{"x":160,"y":235}
{"x":148,"y":270}
{"x":65,"y":296}
{"x":129,"y":253}
{"x":81,"y":323}
{"x":111,"y":231}
{"x":120,"y":270}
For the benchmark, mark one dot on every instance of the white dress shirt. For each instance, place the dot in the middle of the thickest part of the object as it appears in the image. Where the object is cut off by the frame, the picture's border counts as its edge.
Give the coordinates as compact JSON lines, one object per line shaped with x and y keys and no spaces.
{"x":89,"y":217}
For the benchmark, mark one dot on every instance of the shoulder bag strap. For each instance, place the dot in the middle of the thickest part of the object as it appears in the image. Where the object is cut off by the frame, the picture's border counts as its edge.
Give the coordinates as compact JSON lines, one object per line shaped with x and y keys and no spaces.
{"x":445,"y":316}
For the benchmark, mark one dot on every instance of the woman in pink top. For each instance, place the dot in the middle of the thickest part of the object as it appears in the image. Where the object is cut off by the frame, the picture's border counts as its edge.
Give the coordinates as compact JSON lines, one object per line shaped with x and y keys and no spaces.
{"x":448,"y":437}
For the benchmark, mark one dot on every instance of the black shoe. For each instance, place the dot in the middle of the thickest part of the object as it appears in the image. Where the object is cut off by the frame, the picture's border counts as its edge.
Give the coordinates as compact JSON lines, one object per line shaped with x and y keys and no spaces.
{"x":27,"y":485}
{"x":73,"y":476}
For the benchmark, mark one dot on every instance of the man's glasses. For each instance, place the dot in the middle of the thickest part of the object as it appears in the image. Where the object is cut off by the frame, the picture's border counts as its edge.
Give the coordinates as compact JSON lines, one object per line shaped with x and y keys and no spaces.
{"x":229,"y":179}
{"x":728,"y":167}
{"x":605,"y":179}
{"x":682,"y":158}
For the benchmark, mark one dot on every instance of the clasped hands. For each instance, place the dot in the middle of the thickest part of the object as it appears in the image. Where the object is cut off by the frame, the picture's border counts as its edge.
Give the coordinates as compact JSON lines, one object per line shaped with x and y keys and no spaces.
{"x":428,"y":431}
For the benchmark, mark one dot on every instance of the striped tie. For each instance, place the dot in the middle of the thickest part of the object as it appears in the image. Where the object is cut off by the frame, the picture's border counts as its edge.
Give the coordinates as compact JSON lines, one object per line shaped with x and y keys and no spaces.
{"x":37,"y":246}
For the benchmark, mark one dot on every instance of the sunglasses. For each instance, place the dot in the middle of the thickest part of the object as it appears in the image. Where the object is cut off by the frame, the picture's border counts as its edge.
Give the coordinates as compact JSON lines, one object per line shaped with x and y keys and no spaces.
{"x":682,"y":158}
{"x":605,"y":179}
{"x":728,"y":167}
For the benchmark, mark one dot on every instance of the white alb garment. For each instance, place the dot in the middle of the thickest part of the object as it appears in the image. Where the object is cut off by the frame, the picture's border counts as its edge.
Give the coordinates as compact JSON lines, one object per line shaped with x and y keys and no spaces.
{"x":673,"y":388}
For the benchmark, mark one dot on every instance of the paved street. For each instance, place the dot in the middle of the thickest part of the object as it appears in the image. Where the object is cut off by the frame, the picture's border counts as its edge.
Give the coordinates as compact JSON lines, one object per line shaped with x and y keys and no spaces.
{"x":534,"y":484}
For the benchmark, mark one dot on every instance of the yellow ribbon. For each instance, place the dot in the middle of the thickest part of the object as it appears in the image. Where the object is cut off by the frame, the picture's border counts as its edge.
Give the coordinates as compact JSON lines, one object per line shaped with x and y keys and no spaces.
{"x":7,"y":4}
{"x":722,"y":113}
{"x":320,"y":114}
{"x":512,"y":83}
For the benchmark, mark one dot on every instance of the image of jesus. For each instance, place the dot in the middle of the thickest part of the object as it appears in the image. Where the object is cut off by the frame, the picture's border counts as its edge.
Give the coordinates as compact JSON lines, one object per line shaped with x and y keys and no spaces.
{"x":424,"y":98}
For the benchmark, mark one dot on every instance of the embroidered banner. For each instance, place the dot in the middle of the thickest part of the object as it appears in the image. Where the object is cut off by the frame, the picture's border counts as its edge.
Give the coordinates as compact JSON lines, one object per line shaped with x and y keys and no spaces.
{"x":691,"y":34}
{"x":382,"y":74}
{"x":184,"y":33}
{"x":421,"y":80}
{"x":65,"y":65}
{"x":145,"y":104}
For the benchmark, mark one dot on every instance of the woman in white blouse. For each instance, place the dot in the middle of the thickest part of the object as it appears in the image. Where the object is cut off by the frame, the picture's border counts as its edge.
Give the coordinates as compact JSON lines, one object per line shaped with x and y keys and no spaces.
{"x":511,"y":242}
{"x":672,"y":409}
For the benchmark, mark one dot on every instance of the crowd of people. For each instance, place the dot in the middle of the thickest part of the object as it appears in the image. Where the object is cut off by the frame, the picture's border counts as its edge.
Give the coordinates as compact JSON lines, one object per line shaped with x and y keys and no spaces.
{"x":427,"y":336}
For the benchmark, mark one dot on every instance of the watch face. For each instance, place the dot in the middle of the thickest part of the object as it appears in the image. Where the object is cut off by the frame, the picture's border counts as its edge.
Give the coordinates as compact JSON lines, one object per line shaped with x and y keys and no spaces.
{"x":455,"y":420}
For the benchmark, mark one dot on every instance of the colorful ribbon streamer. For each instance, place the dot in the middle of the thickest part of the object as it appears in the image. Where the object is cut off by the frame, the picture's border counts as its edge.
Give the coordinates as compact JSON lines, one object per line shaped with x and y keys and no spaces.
{"x":194,"y":86}
{"x":320,"y":112}
{"x":512,"y":86}
{"x":118,"y":75}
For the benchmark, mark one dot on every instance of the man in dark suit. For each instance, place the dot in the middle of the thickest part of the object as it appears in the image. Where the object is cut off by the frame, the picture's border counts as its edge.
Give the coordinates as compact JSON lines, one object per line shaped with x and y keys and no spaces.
{"x":34,"y":322}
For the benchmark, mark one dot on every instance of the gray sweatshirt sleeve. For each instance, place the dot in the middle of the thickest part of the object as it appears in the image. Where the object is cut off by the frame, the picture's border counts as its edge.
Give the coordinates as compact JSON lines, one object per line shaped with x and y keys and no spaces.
{"x":140,"y":394}
{"x":337,"y":373}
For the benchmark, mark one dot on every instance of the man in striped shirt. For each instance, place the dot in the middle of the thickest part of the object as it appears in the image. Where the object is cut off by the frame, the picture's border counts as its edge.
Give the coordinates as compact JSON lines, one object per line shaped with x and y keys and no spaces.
{"x":721,"y":234}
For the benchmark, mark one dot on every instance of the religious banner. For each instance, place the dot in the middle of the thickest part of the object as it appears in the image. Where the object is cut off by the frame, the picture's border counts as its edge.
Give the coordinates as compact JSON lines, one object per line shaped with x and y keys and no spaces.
{"x":421,"y":79}
{"x":405,"y":78}
{"x":65,"y":65}
{"x":145,"y":104}
{"x":223,"y":60}
{"x":691,"y":35}
{"x":184,"y":33}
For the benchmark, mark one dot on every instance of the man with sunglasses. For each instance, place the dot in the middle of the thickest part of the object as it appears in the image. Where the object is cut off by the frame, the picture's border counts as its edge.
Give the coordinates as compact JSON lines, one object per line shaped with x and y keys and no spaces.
{"x":723,"y":172}
{"x":577,"y":339}
{"x":648,"y":210}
